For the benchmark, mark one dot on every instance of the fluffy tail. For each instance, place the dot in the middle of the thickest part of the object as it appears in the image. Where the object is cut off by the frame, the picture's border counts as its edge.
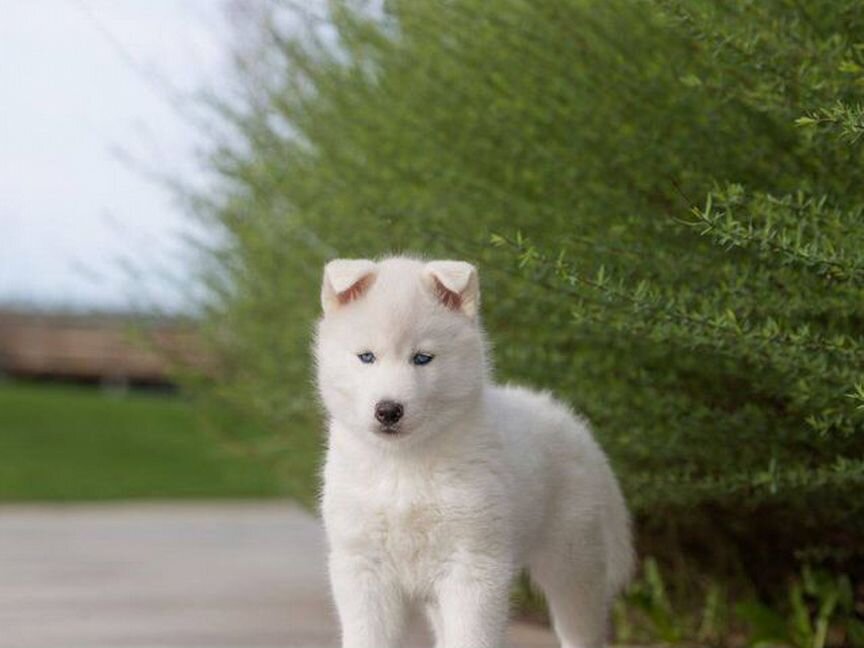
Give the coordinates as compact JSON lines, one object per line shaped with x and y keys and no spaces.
{"x":620,"y":555}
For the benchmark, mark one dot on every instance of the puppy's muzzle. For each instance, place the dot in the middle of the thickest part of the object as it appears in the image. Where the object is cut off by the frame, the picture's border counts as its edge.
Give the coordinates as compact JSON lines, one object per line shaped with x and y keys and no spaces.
{"x":388,"y":413}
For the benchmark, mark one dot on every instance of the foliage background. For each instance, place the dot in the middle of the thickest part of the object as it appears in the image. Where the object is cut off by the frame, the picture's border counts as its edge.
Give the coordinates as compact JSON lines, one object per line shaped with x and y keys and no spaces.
{"x":665,"y":201}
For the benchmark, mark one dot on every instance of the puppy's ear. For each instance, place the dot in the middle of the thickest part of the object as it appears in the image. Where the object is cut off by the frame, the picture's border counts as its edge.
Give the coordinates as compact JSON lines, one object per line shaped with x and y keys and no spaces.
{"x":345,"y":280}
{"x":455,"y":285}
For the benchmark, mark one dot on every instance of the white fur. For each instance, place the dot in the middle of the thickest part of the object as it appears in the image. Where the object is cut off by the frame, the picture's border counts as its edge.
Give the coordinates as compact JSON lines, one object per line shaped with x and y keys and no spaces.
{"x":479,"y":482}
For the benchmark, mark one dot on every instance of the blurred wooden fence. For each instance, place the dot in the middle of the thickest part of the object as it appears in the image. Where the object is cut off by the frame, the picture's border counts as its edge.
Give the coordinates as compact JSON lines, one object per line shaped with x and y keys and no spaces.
{"x":94,"y":348}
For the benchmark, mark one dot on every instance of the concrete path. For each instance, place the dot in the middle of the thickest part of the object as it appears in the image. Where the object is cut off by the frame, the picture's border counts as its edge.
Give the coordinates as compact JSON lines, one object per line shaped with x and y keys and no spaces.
{"x":171,"y":575}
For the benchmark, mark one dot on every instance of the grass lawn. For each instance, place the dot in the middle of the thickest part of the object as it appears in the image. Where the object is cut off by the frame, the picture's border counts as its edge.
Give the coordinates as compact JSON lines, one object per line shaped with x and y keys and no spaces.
{"x":68,"y":443}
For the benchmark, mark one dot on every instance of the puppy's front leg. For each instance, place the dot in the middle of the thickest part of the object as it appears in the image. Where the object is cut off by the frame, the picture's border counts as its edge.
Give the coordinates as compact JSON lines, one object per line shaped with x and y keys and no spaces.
{"x":473,"y":608}
{"x":370,"y":605}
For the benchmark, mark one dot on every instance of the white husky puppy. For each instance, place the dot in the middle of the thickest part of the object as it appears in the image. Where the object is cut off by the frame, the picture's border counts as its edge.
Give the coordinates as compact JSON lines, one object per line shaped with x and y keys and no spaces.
{"x":440,"y":485}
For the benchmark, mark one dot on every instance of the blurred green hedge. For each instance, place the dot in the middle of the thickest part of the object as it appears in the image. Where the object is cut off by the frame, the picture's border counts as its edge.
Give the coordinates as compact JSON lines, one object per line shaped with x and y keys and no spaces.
{"x":664,"y":199}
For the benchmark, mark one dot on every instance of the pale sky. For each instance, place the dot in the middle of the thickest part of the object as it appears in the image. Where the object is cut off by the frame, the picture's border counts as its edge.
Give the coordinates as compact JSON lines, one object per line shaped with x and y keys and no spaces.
{"x":82,"y":86}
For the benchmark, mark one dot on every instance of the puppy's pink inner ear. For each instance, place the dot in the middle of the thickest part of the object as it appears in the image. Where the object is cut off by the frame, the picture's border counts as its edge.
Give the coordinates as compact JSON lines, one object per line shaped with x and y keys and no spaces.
{"x":447,"y":297}
{"x":355,"y":291}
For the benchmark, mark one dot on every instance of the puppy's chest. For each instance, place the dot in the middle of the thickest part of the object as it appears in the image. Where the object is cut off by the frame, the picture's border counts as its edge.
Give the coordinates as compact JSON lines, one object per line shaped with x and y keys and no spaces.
{"x":412,"y":524}
{"x":400,"y":517}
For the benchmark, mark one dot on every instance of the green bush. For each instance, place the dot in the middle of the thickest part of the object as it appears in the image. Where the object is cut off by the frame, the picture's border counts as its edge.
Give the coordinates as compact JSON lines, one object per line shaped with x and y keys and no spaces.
{"x":665,"y":200}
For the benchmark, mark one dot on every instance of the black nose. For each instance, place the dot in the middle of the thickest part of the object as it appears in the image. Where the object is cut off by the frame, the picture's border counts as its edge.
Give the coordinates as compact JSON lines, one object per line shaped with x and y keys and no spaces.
{"x":388,"y":412}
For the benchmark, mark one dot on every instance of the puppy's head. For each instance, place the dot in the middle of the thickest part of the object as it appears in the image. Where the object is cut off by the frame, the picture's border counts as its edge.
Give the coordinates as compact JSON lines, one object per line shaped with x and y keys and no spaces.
{"x":399,"y":348}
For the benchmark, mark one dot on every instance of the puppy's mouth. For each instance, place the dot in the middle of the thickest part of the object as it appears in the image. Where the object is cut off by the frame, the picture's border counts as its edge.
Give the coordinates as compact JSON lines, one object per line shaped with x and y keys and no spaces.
{"x":390,"y":430}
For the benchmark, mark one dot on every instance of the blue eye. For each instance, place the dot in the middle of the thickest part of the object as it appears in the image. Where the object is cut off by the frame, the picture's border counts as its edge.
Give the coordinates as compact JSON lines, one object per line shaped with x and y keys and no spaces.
{"x":367,"y":357}
{"x":422,"y":358}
